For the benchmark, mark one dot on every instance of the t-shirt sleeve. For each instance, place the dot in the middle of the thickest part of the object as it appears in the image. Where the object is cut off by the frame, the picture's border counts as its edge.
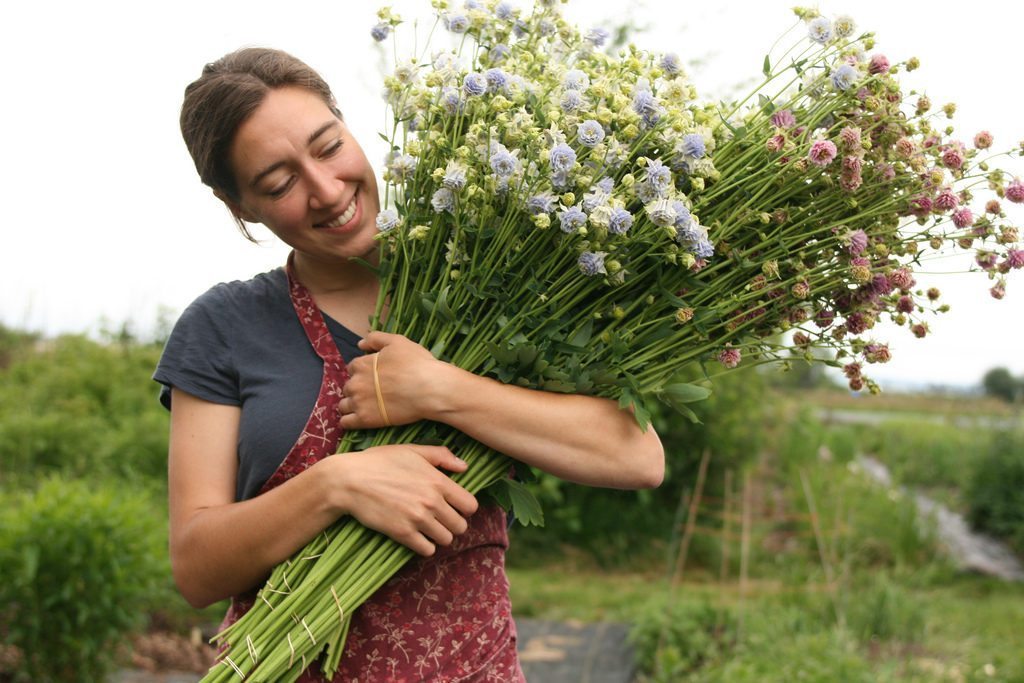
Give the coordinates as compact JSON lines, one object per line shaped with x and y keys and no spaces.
{"x":197,"y":357}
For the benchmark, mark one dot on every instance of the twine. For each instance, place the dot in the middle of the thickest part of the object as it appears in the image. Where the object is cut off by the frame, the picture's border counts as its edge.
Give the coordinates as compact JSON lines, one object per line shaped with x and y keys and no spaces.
{"x":380,"y":396}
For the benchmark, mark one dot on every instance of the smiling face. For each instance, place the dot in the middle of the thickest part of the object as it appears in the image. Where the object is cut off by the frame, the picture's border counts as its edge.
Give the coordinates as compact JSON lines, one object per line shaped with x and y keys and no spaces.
{"x":303,"y":175}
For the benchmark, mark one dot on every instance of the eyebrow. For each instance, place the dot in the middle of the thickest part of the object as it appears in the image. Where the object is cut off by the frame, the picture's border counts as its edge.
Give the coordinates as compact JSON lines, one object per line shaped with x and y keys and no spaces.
{"x":309,"y":141}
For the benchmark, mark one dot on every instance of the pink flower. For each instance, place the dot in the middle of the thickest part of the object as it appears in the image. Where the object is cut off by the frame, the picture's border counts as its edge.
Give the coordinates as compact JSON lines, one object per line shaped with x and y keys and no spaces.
{"x":859,"y":322}
{"x":933,"y":293}
{"x":983,"y":140}
{"x":905,"y":304}
{"x":953,"y":158}
{"x":905,"y":148}
{"x":852,"y":370}
{"x":902,"y":278}
{"x":801,"y":339}
{"x":999,"y":291}
{"x":849,"y":137}
{"x":992,"y":206}
{"x":986,"y":260}
{"x":963,"y":218}
{"x":947,"y":200}
{"x":856,"y":383}
{"x":851,"y":165}
{"x":886,"y":171}
{"x":800,"y":290}
{"x":879,"y":64}
{"x":1015,"y":258}
{"x":729,"y":357}
{"x":822,"y":153}
{"x":919,"y":330}
{"x":877,"y":353}
{"x":921,"y":206}
{"x":850,"y":182}
{"x":1015,"y":191}
{"x":824,"y":318}
{"x":858,"y":242}
{"x":783,"y":119}
{"x":880,"y":285}
{"x":775,"y":143}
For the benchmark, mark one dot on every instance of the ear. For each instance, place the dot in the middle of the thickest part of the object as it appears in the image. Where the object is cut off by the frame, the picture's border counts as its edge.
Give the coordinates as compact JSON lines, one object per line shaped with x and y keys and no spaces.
{"x":236,"y":209}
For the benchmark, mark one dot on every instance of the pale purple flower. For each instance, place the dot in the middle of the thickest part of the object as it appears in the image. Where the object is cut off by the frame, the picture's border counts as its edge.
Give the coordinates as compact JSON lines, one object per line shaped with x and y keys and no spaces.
{"x":902,"y":278}
{"x":670,"y":64}
{"x":590,"y":133}
{"x":498,"y":54}
{"x":824,"y":318}
{"x":520,"y":28}
{"x":456,"y":23}
{"x":443,"y":200}
{"x":504,"y":11}
{"x":621,"y":221}
{"x":844,"y":77}
{"x":575,"y":79}
{"x":1015,"y":258}
{"x":683,"y":216}
{"x":572,"y":219}
{"x":783,"y":118}
{"x":562,"y":157}
{"x":474,"y":84}
{"x":646,"y":193}
{"x":605,"y":184}
{"x":591,"y":263}
{"x":503,"y":163}
{"x":693,"y":145}
{"x":953,"y":158}
{"x":387,"y":220}
{"x":819,"y":30}
{"x":646,"y":104}
{"x":658,"y":175}
{"x":946,"y":200}
{"x":905,"y":304}
{"x":597,"y":36}
{"x":451,"y":100}
{"x":877,"y":353}
{"x":571,"y":101}
{"x":822,"y":153}
{"x":540,"y":203}
{"x":380,"y":31}
{"x":496,"y":79}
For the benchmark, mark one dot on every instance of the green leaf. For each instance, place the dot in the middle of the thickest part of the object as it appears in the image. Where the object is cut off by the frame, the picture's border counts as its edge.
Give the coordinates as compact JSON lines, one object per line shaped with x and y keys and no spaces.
{"x":501,"y":354}
{"x":525,"y":506}
{"x":442,"y":308}
{"x":685,"y":393}
{"x":558,"y":386}
{"x":766,"y":68}
{"x":583,"y":335}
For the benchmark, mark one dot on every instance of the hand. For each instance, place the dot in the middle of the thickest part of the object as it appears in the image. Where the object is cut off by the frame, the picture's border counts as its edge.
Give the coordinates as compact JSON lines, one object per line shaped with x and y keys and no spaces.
{"x":399,"y":491}
{"x":407,"y":374}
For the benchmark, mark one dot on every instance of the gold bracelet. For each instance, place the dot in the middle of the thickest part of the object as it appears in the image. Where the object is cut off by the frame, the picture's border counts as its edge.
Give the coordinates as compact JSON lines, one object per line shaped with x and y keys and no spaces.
{"x":380,"y":397}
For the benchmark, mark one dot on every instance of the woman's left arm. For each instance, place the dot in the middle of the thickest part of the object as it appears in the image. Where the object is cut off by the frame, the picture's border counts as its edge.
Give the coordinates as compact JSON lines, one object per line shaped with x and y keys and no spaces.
{"x":578,"y":438}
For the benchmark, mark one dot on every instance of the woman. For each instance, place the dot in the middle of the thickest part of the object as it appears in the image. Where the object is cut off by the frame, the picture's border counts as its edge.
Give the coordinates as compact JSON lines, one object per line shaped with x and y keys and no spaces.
{"x":265,"y":374}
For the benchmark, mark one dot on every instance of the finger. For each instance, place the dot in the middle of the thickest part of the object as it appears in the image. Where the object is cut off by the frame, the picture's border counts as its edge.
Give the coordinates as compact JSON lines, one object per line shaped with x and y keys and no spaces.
{"x":418,"y":543}
{"x":347,"y":406}
{"x":439,"y":456}
{"x":437,"y":532}
{"x":452,"y":520}
{"x":375,"y":341}
{"x":461,"y":499}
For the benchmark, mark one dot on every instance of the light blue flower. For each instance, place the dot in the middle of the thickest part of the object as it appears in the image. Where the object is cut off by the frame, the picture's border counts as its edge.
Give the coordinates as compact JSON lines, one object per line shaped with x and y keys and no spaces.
{"x":451,"y":100}
{"x":504,"y":10}
{"x":403,"y":166}
{"x":646,"y":193}
{"x":646,"y":104}
{"x":547,"y":27}
{"x":540,"y":203}
{"x":597,"y":36}
{"x":670,"y":64}
{"x":658,"y":176}
{"x":454,"y":175}
{"x":597,"y":196}
{"x":572,"y":219}
{"x":820,"y":30}
{"x":562,"y":157}
{"x":683,"y":216}
{"x":620,"y":222}
{"x":591,"y":263}
{"x":503,"y":163}
{"x":456,"y":23}
{"x":560,"y":181}
{"x":693,"y":145}
{"x":520,"y":28}
{"x":387,"y":219}
{"x":703,"y":249}
{"x":443,"y":200}
{"x":380,"y":31}
{"x":606,"y":184}
{"x":590,"y":133}
{"x":661,"y":212}
{"x":496,"y":80}
{"x":498,"y":54}
{"x":694,"y":239}
{"x":844,"y":77}
{"x":571,"y":101}
{"x":574,"y":79}
{"x":471,"y":4}
{"x":474,"y":84}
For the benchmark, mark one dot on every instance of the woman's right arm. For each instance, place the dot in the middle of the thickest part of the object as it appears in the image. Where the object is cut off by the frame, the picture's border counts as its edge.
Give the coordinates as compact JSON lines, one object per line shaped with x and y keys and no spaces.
{"x":221,"y":548}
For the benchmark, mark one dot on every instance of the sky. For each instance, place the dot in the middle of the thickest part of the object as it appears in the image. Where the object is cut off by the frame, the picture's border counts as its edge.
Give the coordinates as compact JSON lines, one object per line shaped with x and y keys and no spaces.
{"x":105,"y":221}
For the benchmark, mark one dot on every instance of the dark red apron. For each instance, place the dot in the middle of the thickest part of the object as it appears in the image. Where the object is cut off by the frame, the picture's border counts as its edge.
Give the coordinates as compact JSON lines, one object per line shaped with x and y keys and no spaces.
{"x":443,"y":618}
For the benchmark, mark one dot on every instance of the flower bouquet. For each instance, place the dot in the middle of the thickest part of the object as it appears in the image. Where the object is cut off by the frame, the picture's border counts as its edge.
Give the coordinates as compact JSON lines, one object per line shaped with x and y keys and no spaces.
{"x":571,"y":220}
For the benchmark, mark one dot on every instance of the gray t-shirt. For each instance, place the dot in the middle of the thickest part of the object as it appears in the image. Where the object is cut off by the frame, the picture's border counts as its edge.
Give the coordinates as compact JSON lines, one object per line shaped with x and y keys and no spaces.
{"x":241,"y":344}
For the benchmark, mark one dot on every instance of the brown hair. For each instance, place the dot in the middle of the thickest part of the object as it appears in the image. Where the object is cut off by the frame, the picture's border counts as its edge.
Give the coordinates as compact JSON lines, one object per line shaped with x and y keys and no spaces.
{"x":227,"y":93}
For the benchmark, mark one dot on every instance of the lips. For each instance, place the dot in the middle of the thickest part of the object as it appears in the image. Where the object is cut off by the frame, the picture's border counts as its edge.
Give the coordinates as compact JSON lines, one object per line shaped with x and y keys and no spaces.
{"x":342,"y":218}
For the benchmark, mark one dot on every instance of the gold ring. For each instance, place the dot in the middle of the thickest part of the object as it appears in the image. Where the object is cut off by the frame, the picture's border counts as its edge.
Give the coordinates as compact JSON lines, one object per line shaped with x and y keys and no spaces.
{"x":380,"y":397}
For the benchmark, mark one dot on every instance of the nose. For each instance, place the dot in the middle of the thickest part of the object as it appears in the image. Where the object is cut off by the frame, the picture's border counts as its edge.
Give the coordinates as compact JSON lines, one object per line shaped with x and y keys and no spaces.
{"x":325,"y":189}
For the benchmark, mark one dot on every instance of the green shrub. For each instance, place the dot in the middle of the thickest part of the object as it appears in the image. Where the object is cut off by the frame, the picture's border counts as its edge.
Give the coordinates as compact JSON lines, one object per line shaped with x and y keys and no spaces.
{"x":924,"y":453}
{"x":882,"y":610}
{"x":996,"y":491}
{"x":80,"y":564}
{"x":673,"y":643}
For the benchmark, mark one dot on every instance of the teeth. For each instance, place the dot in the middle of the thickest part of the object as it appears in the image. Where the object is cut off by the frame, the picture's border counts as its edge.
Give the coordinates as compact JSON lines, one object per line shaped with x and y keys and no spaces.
{"x":343,"y":218}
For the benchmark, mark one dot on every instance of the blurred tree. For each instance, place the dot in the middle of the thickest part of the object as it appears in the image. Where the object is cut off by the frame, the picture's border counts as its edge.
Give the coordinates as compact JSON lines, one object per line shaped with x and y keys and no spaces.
{"x":1000,"y":383}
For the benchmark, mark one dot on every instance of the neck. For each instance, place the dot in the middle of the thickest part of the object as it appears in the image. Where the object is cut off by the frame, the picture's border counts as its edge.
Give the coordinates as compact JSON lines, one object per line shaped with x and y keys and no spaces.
{"x":321,"y":277}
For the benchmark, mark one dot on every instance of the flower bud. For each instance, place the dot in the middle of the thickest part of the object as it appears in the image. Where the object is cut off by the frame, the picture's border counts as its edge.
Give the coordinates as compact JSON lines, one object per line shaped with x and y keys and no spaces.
{"x":684,"y":315}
